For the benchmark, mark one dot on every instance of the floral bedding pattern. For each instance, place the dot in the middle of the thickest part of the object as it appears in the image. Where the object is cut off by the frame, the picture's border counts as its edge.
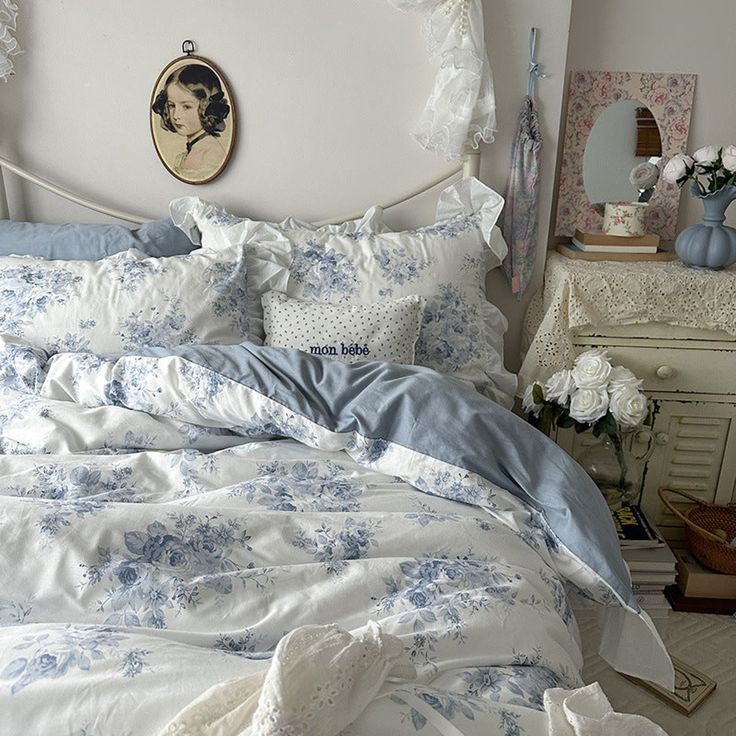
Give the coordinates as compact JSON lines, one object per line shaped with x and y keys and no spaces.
{"x":125,"y":301}
{"x":224,"y":577}
{"x":363,"y":262}
{"x":156,"y":548}
{"x":444,"y":263}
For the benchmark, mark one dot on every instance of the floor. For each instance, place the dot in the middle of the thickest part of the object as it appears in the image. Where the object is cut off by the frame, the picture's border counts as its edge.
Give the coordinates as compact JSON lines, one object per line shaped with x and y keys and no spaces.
{"x":705,"y":641}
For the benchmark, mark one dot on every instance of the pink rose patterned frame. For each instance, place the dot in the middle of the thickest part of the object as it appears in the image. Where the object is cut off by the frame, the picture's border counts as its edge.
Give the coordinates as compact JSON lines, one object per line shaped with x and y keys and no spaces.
{"x":668,"y":96}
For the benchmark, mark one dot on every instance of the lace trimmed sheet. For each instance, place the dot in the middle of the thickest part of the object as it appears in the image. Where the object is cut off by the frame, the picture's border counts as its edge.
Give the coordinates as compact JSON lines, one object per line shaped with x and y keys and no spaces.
{"x":577,"y":294}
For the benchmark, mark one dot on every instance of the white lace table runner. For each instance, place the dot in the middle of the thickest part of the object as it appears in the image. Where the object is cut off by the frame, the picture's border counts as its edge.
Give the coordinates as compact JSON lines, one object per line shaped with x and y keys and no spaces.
{"x":578,"y":294}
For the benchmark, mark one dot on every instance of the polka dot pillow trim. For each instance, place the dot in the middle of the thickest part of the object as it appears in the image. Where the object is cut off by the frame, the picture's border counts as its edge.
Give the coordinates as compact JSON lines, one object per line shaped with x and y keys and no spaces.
{"x":386,"y":330}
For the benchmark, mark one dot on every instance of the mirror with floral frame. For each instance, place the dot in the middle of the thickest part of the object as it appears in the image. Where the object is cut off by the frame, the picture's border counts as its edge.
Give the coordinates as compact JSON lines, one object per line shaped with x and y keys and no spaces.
{"x":669,"y":99}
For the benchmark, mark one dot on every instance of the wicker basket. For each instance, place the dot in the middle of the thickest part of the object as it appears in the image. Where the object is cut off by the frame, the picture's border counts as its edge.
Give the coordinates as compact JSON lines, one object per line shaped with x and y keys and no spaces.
{"x":701,"y":521}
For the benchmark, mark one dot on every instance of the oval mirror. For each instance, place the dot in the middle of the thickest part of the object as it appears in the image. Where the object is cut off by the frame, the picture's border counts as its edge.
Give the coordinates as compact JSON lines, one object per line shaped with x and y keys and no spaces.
{"x":624,"y":138}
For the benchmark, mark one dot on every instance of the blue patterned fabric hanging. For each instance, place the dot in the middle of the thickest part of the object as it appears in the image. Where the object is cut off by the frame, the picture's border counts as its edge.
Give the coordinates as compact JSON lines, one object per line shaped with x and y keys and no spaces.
{"x":519,"y":219}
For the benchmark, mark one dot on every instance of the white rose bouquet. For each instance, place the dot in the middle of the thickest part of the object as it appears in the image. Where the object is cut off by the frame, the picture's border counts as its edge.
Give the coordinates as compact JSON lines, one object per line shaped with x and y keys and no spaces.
{"x":593,"y":394}
{"x":710,"y":168}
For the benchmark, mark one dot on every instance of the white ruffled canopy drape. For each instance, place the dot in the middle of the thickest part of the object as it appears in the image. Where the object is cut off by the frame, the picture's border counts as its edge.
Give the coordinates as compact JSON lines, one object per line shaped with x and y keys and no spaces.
{"x":462,"y":106}
{"x":8,"y":45}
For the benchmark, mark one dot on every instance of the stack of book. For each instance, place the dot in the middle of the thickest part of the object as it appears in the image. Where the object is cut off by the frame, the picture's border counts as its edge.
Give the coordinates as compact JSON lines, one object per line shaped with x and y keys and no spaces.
{"x":699,"y":589}
{"x":599,"y":246}
{"x":650,"y":561}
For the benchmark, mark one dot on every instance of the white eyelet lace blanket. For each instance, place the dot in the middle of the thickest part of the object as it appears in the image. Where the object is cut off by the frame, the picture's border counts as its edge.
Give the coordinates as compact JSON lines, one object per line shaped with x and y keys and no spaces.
{"x":577,"y":294}
{"x":320,"y":680}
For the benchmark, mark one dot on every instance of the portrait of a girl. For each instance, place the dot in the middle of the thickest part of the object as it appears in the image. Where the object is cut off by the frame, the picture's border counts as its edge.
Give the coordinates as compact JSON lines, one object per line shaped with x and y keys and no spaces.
{"x":193,"y":105}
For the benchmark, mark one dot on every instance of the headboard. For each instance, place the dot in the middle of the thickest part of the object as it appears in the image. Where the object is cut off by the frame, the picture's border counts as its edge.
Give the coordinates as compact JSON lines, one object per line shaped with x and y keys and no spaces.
{"x":470,"y":167}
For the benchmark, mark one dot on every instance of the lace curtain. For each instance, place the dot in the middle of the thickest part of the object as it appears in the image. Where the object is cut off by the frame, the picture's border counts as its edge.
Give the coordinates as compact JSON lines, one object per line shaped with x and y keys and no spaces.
{"x":462,"y":106}
{"x":8,"y":45}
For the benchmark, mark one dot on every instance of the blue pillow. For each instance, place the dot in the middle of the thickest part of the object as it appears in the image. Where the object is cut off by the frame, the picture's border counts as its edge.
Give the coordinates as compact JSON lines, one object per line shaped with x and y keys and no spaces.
{"x":88,"y":242}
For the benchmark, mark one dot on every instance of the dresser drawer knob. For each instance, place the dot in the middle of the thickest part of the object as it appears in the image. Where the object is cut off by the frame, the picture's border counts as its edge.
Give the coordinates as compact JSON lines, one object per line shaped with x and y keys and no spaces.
{"x":661,"y":438}
{"x":665,"y":371}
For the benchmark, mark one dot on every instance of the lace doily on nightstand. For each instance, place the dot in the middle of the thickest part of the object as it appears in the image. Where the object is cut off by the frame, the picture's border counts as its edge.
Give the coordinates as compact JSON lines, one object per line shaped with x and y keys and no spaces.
{"x":578,"y":294}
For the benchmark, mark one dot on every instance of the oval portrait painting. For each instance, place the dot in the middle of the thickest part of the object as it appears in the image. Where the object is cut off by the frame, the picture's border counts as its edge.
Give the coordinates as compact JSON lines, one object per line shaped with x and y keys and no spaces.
{"x":193,"y":119}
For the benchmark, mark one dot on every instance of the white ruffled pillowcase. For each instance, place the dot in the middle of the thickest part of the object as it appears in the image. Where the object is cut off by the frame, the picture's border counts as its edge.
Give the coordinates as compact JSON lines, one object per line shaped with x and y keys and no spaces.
{"x":362,"y":262}
{"x":268,"y":245}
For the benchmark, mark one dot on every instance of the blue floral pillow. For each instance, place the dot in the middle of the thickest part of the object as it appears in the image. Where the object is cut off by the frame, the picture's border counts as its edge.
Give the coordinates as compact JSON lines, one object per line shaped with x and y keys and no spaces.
{"x":362,"y":262}
{"x":124,"y":302}
{"x":445,"y":263}
{"x":268,"y":245}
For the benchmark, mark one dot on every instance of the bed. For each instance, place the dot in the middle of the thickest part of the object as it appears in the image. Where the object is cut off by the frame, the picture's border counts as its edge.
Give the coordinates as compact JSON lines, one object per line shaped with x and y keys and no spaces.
{"x":262,"y":478}
{"x":207,"y":534}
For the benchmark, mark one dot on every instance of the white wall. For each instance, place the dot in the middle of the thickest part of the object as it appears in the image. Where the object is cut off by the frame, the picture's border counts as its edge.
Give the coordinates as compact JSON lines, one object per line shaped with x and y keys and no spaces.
{"x":507,"y":33}
{"x":667,"y":36}
{"x":326,"y":95}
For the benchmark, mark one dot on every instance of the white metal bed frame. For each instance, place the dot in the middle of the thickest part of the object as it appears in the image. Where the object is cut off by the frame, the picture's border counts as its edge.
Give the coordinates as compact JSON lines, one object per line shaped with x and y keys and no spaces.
{"x":469,"y":167}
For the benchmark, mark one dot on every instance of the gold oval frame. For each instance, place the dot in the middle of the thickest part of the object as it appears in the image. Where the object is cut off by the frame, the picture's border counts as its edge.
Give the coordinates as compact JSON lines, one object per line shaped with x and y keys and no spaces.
{"x":168,"y":144}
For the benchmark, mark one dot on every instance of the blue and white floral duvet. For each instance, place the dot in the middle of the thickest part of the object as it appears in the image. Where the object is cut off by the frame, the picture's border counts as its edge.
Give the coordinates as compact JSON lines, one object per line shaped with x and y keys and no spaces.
{"x":157,"y":540}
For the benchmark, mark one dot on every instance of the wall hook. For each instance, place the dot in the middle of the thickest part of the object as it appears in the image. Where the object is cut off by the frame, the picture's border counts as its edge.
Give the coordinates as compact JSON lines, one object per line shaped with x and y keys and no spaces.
{"x":535,"y":71}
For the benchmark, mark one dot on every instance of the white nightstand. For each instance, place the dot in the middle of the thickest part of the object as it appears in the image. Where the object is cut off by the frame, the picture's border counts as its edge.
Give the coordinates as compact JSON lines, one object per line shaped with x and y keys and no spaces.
{"x":689,"y":372}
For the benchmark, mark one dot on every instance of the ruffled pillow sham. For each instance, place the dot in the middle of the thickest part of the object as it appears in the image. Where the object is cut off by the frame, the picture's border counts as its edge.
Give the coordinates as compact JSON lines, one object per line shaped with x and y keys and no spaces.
{"x":386,"y":330}
{"x":124,"y":302}
{"x":268,"y":245}
{"x":363,"y":262}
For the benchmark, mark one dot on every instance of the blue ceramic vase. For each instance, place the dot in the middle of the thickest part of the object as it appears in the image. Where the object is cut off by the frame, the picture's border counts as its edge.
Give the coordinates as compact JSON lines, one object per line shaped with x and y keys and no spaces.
{"x":710,"y":245}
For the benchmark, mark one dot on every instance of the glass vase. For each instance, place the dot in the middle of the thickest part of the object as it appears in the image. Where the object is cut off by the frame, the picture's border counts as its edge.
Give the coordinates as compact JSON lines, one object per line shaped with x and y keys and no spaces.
{"x":616,"y":468}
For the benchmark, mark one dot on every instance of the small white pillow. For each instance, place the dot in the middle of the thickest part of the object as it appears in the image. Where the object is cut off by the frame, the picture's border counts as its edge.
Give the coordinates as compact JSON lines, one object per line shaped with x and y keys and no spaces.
{"x":386,"y":330}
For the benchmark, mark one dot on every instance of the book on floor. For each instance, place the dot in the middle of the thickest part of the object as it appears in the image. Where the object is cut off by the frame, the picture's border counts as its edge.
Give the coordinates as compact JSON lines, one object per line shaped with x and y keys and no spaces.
{"x":649,"y":559}
{"x":634,"y":529}
{"x":692,"y":687}
{"x":655,"y":604}
{"x":693,"y":604}
{"x":653,"y":578}
{"x":645,"y":588}
{"x":653,"y":600}
{"x":696,"y":581}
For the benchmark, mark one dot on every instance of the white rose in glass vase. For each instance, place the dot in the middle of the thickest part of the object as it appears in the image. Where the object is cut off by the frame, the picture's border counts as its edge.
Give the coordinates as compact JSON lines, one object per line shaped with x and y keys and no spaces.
{"x":560,"y":386}
{"x":588,"y":405}
{"x":592,"y":369}
{"x":622,"y":378}
{"x":629,"y":407}
{"x":606,"y":400}
{"x":728,"y":158}
{"x":706,"y":155}
{"x":528,"y":404}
